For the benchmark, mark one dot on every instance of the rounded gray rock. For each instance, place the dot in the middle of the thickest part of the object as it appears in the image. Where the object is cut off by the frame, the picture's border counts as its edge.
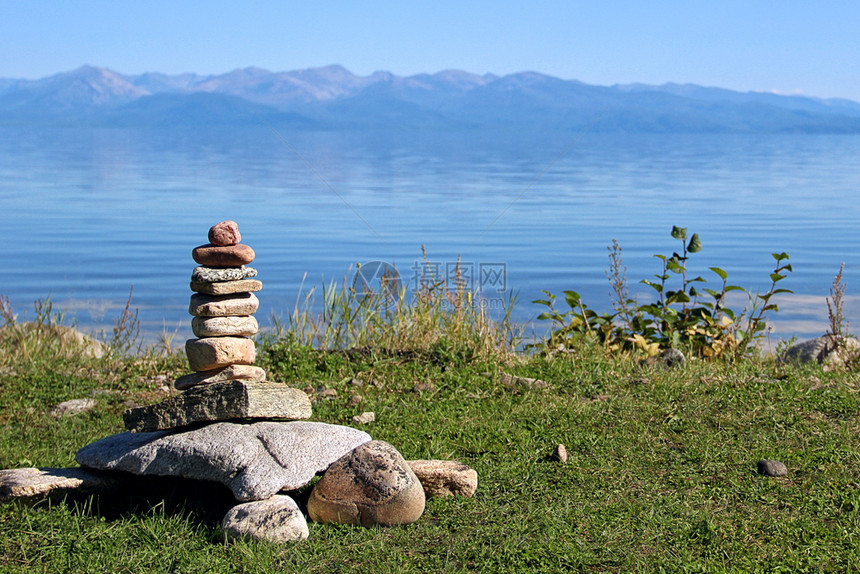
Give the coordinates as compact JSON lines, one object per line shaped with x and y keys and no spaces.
{"x":771,"y":468}
{"x":672,"y":359}
{"x":372,"y":485}
{"x":276,"y":519}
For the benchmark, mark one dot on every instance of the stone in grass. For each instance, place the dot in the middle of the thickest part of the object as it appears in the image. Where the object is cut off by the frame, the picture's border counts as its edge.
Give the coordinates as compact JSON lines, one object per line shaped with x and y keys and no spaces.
{"x":771,"y":468}
{"x":276,"y":519}
{"x":34,"y":483}
{"x":443,"y":478}
{"x":225,"y":233}
{"x":224,"y":326}
{"x":672,"y":359}
{"x":372,"y":485}
{"x":823,"y":350}
{"x":560,"y":453}
{"x":223,"y":305}
{"x":254,"y":461}
{"x":218,"y":274}
{"x":214,"y":352}
{"x":514,"y":381}
{"x":364,"y":418}
{"x":223,"y":256}
{"x":227,"y":287}
{"x":73,"y":407}
{"x":221,"y":402}
{"x":221,"y":375}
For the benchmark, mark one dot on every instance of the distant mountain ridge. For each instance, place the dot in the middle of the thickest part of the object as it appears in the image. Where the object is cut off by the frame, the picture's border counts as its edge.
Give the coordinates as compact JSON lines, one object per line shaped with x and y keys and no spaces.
{"x":332,"y":97}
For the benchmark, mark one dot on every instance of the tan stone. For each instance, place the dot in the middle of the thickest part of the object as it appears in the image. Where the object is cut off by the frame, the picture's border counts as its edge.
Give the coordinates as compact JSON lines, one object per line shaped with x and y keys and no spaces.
{"x":445,"y":477}
{"x":364,"y":418}
{"x":227,"y":287}
{"x":214,"y":352}
{"x":372,"y":485}
{"x":221,"y":375}
{"x":223,"y":256}
{"x":225,"y":233}
{"x":223,"y":305}
{"x":224,"y":326}
{"x":40,"y":482}
{"x":221,"y":402}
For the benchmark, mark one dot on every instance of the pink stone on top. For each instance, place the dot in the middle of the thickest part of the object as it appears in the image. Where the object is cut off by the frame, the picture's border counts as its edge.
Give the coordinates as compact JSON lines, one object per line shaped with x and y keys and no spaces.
{"x":225,"y":233}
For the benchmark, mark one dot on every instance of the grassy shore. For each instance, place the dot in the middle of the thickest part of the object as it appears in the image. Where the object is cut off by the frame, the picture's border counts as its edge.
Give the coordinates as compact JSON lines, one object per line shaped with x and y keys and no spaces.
{"x":661,"y":474}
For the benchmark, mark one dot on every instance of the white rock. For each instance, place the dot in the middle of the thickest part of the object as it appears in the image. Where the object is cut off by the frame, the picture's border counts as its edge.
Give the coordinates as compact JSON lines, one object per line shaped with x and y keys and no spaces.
{"x":276,"y":519}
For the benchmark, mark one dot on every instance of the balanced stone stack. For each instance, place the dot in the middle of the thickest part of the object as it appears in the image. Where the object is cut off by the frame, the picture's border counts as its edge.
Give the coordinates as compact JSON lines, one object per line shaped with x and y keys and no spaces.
{"x":229,"y":425}
{"x":223,"y":305}
{"x":225,"y":384}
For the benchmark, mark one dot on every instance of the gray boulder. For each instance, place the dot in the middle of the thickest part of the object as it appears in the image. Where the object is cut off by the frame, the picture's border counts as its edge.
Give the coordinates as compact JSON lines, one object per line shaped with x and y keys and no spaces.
{"x":823,"y":350}
{"x":254,"y":461}
{"x":276,"y":519}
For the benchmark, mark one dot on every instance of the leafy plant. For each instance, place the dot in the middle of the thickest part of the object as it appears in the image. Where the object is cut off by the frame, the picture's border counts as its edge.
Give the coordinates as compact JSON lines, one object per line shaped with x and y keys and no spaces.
{"x":685,"y":314}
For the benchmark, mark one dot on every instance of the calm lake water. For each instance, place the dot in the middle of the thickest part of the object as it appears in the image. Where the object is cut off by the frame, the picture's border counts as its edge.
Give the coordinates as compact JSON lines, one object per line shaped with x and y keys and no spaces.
{"x":87,"y":214}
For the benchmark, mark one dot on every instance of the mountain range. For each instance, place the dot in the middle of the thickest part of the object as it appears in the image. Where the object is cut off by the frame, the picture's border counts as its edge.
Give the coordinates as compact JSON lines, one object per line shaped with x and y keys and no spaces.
{"x":332,"y":97}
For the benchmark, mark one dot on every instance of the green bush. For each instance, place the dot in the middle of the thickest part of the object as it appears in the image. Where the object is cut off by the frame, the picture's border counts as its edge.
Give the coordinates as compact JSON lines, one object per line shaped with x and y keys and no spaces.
{"x":685,"y":314}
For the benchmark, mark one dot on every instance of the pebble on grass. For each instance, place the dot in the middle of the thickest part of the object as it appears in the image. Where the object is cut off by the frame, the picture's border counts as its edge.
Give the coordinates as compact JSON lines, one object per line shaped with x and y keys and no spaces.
{"x":771,"y":468}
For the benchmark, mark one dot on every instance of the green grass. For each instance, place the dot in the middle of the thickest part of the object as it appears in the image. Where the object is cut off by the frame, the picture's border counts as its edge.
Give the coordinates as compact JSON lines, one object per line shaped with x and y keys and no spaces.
{"x":661,"y":474}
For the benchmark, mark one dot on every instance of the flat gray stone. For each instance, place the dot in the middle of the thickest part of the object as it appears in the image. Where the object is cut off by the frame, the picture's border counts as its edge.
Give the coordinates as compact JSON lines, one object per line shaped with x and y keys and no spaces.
{"x":222,"y":375}
{"x":514,"y":381}
{"x":224,"y":326}
{"x":254,"y":461}
{"x":221,"y":402}
{"x":217,"y":274}
{"x":73,"y":407}
{"x":223,"y":305}
{"x":277,"y":519}
{"x":40,"y":482}
{"x":227,"y":287}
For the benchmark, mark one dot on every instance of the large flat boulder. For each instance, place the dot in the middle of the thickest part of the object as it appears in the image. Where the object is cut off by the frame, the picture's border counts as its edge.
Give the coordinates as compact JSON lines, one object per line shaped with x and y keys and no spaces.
{"x":254,"y":461}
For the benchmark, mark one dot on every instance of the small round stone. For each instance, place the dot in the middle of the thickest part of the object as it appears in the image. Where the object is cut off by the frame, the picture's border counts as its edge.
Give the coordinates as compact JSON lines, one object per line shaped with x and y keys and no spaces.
{"x":771,"y":468}
{"x":225,"y":233}
{"x":364,"y":418}
{"x":275,"y":519}
{"x":672,"y":359}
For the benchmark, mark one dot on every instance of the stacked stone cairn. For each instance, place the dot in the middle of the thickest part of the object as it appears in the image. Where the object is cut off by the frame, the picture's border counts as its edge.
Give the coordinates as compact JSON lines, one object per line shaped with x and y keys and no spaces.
{"x":228,"y":424}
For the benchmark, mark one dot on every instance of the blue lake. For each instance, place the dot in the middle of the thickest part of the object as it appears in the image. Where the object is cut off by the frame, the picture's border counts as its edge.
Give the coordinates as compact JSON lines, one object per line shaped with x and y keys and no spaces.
{"x":89,"y":213}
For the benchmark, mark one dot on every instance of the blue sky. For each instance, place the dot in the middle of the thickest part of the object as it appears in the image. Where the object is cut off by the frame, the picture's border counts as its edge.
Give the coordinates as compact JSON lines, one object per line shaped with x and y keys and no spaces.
{"x":785,"y":46}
